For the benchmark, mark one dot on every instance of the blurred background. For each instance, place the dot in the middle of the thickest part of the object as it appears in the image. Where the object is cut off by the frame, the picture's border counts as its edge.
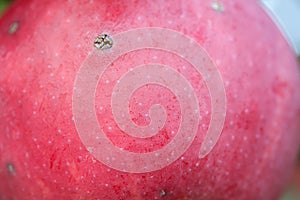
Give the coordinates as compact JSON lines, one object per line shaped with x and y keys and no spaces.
{"x":3,"y":5}
{"x":287,"y":16}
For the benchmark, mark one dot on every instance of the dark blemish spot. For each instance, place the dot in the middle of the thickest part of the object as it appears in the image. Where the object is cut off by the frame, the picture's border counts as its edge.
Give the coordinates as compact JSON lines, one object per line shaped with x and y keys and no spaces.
{"x":163,"y":193}
{"x":11,"y":168}
{"x":13,"y":27}
{"x":103,"y":41}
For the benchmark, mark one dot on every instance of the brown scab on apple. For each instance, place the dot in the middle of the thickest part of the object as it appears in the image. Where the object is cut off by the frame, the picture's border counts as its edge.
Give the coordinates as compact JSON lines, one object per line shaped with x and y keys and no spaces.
{"x":103,"y":41}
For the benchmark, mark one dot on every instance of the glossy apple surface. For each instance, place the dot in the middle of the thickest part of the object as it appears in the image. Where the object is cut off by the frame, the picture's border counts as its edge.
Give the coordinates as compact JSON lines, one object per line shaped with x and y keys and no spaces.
{"x":45,"y":152}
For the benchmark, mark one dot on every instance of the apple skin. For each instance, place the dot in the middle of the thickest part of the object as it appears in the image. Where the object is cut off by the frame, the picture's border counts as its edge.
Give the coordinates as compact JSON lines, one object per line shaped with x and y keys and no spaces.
{"x":43,"y":45}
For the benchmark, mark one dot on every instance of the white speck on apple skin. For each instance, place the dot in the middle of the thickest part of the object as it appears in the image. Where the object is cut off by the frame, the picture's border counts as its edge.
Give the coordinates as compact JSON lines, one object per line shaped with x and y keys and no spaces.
{"x":234,"y":57}
{"x":218,"y":62}
{"x":26,"y":155}
{"x":29,"y":59}
{"x":154,"y":57}
{"x":11,"y":169}
{"x":13,"y":27}
{"x":232,"y":137}
{"x":246,"y":110}
{"x":163,"y":193}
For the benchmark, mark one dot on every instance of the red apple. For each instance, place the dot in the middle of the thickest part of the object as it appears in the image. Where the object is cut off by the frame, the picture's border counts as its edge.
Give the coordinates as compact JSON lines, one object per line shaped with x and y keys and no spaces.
{"x":180,"y":100}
